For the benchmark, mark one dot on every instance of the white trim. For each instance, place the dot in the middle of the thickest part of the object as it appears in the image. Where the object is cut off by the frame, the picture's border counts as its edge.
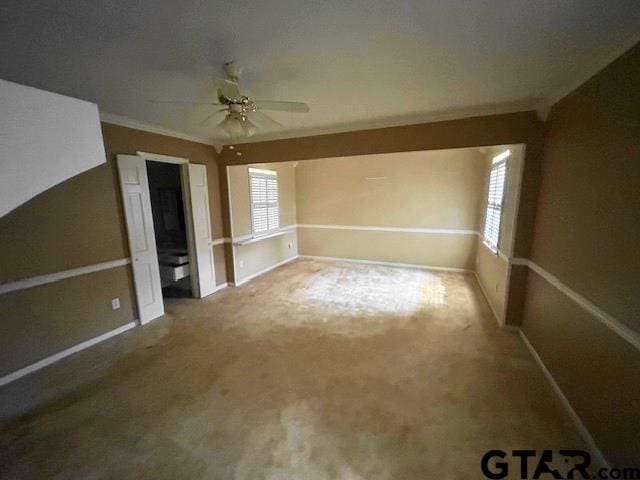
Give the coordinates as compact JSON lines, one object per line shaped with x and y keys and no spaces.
{"x":262,"y":237}
{"x":497,"y":252}
{"x":265,"y":270}
{"x":581,"y":427}
{"x":220,"y":287}
{"x":249,"y":238}
{"x":614,"y":324}
{"x":57,"y":276}
{"x":500,"y":254}
{"x":486,"y":297}
{"x":501,"y":157}
{"x":398,"y":121}
{"x":446,"y":231}
{"x":230,"y":204}
{"x":519,"y":261}
{"x":519,"y":159}
{"x":64,"y":353}
{"x":259,"y":171}
{"x":151,"y":128}
{"x":386,"y":264}
{"x":156,"y":157}
{"x":220,"y":241}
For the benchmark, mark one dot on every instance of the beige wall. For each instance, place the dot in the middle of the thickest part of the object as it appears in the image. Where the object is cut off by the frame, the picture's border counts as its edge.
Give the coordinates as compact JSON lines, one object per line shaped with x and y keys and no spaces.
{"x":434,"y":189}
{"x":493,"y":275}
{"x":75,"y":224}
{"x":586,"y":234}
{"x":429,"y":190}
{"x":254,"y":257}
{"x":596,"y":369}
{"x":40,"y":321}
{"x":435,"y":250}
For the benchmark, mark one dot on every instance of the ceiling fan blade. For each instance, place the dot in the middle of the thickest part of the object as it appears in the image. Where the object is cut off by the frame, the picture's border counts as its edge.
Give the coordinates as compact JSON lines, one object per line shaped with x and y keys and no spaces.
{"x":209,"y":117}
{"x":185,"y":102}
{"x":264,"y":120}
{"x":279,"y":106}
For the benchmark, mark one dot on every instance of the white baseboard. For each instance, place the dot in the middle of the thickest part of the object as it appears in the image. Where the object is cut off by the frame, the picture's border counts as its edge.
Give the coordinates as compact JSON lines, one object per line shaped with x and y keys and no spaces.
{"x":221,"y":286}
{"x":366,"y":228}
{"x":64,"y":353}
{"x":261,"y":272}
{"x":386,"y":264}
{"x":581,"y":427}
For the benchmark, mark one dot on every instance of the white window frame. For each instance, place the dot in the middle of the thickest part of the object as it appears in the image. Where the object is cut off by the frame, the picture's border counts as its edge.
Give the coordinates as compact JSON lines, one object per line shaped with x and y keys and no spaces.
{"x":267,"y":175}
{"x":498,"y":162}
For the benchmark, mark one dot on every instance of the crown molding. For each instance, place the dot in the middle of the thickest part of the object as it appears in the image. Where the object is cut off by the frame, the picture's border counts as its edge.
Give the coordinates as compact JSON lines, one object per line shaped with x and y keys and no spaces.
{"x":152,"y":128}
{"x":541,"y":106}
{"x":397,"y":121}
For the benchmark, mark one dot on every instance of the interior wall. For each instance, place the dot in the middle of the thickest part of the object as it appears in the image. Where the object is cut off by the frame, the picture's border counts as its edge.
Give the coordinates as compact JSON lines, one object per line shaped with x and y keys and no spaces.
{"x":493,"y":268}
{"x":505,"y":129}
{"x":79,"y":223}
{"x":344,"y":202}
{"x":586,"y":231}
{"x":251,"y":257}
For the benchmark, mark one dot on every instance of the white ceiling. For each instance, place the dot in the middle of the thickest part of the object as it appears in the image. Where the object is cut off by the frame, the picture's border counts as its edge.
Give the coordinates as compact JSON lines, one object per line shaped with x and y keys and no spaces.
{"x":356,"y":63}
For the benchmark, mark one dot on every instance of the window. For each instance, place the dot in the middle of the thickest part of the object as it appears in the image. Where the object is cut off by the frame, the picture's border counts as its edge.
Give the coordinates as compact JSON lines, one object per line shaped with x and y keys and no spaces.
{"x":265,"y":212}
{"x":494,"y":200}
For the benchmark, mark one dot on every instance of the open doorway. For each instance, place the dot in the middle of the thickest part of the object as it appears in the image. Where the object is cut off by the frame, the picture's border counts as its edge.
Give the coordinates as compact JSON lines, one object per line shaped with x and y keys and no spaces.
{"x":441,"y":210}
{"x":169,"y":222}
{"x":166,"y":208}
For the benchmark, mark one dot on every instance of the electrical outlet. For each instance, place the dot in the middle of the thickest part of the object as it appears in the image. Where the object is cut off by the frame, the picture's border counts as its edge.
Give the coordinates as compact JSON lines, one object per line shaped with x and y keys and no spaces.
{"x":241,"y":263}
{"x":115,"y":303}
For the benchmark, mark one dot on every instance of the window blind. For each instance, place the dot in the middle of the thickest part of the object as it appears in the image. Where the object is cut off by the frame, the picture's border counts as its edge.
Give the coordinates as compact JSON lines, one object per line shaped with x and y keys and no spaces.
{"x":265,"y":211}
{"x":495,"y":196}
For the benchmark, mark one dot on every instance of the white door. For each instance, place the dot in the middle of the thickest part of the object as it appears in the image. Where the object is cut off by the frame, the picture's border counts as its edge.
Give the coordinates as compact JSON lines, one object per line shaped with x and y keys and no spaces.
{"x":201,"y":264}
{"x":142,"y":243}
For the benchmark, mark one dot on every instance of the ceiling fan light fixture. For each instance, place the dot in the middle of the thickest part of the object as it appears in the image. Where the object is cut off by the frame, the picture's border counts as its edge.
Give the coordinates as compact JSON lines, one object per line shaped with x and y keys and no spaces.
{"x":231,"y":126}
{"x":248,"y":127}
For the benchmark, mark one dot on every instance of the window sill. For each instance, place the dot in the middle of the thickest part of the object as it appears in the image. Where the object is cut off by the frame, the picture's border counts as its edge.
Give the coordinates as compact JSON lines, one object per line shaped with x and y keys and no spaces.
{"x":497,"y":252}
{"x":277,"y":233}
{"x":493,"y":250}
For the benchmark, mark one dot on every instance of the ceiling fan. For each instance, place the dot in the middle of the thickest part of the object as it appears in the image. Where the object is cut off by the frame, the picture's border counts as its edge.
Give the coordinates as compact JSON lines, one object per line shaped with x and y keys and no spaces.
{"x":244,"y":115}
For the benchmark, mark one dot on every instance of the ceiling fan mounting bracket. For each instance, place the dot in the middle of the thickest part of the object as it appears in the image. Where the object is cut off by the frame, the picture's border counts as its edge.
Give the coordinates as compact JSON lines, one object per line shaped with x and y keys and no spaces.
{"x":233,"y":70}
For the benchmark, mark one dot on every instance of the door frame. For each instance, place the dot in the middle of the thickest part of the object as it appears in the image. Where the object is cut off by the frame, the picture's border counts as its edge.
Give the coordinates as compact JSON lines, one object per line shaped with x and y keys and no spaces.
{"x":188,"y":214}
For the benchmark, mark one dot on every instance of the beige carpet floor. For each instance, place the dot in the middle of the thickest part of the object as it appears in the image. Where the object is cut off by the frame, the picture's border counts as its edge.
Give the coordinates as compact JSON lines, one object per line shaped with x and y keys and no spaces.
{"x":312,"y":371}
